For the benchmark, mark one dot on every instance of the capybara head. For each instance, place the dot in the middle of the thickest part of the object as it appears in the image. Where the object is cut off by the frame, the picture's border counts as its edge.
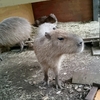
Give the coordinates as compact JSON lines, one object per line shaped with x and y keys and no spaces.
{"x":45,"y":27}
{"x":64,"y":42}
{"x":46,"y":19}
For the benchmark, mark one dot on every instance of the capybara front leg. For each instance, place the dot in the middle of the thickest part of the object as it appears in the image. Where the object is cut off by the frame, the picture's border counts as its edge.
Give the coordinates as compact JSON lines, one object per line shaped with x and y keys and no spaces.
{"x":57,"y":82}
{"x":21,"y":46}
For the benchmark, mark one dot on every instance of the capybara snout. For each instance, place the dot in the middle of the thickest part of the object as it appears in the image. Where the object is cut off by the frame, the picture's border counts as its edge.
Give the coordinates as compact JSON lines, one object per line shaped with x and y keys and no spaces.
{"x":78,"y":41}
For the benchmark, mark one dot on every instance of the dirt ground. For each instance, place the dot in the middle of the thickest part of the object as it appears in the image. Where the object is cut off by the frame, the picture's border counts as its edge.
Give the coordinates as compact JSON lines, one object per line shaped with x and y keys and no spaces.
{"x":21,"y":77}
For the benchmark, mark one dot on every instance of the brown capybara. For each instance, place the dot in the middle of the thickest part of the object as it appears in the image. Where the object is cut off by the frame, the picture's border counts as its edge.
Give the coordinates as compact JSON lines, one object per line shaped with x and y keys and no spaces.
{"x":50,"y":49}
{"x":14,"y":30}
{"x":46,"y":19}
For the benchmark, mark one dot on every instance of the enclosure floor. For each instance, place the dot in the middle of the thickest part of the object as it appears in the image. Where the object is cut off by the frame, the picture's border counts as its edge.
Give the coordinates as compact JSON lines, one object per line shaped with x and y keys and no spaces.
{"x":21,"y":76}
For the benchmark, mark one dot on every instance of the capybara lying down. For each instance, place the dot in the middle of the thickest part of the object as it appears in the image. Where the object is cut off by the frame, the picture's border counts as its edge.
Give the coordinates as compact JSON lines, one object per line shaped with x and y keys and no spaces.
{"x":50,"y":49}
{"x":14,"y":30}
{"x":46,"y":19}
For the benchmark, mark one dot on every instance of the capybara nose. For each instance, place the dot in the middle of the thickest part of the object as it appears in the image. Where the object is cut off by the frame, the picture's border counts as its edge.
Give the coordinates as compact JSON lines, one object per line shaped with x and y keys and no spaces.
{"x":80,"y":43}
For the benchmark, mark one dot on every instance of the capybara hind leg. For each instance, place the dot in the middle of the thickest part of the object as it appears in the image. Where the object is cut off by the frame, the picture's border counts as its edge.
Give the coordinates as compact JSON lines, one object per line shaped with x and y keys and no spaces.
{"x":58,"y":83}
{"x":46,"y":81}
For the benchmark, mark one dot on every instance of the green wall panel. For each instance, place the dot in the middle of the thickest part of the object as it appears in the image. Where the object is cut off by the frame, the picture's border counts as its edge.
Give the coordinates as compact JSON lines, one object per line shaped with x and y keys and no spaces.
{"x":5,"y":3}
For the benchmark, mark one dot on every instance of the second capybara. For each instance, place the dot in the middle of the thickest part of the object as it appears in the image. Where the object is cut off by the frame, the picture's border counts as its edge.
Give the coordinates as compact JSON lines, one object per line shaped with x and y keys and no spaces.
{"x":14,"y":30}
{"x":45,"y":27}
{"x":46,"y":19}
{"x":50,"y":49}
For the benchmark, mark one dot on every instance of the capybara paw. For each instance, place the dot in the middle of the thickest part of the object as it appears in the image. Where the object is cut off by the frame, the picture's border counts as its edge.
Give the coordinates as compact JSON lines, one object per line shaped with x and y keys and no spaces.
{"x":45,"y":83}
{"x":59,"y":86}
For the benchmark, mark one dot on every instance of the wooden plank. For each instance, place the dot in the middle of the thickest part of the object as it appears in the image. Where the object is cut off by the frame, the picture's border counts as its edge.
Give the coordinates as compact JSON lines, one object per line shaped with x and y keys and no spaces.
{"x":92,"y":93}
{"x":96,"y":51}
{"x":91,"y":39}
{"x":17,"y":2}
{"x":97,"y":97}
{"x":5,"y":3}
{"x":25,"y":11}
{"x":65,"y":10}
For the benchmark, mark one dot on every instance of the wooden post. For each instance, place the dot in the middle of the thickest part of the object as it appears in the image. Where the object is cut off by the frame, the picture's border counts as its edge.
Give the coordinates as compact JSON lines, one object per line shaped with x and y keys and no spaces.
{"x":24,"y":10}
{"x":95,"y":9}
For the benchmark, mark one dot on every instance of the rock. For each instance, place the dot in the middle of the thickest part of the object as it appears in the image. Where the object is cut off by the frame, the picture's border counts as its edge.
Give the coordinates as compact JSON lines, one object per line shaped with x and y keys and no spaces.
{"x":80,"y":86}
{"x":58,"y":92}
{"x":71,"y":91}
{"x":79,"y":90}
{"x":76,"y":87}
{"x":87,"y":88}
{"x":45,"y":97}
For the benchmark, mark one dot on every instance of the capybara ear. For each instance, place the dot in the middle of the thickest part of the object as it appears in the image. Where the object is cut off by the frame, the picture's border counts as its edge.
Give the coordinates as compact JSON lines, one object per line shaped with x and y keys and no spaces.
{"x":52,"y":15}
{"x":47,"y":35}
{"x":51,"y":18}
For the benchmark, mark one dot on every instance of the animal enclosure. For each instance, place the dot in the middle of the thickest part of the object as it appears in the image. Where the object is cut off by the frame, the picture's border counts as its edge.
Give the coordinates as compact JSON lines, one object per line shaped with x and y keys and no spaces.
{"x":21,"y":77}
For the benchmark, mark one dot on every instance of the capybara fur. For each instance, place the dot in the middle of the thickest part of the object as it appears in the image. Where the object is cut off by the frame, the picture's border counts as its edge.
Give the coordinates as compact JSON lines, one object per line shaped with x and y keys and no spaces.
{"x":50,"y":49}
{"x":45,"y":27}
{"x":14,"y":30}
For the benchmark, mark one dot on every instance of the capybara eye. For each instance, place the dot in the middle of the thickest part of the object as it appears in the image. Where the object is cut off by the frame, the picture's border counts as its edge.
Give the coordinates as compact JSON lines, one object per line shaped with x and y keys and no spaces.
{"x":80,"y":44}
{"x":60,"y":38}
{"x":54,"y":28}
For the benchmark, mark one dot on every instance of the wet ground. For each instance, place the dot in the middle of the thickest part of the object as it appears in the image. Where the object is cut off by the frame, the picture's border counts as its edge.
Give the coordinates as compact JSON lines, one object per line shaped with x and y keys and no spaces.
{"x":21,"y":77}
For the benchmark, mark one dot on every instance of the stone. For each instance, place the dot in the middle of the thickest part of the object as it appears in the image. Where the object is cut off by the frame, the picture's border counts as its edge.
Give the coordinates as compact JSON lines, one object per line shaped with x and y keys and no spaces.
{"x":86,"y":77}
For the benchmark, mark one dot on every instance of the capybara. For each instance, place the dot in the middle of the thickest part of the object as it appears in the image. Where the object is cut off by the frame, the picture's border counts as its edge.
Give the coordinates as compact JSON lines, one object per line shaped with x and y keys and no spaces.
{"x":14,"y":30}
{"x":46,"y":19}
{"x":45,"y":27}
{"x":50,"y":49}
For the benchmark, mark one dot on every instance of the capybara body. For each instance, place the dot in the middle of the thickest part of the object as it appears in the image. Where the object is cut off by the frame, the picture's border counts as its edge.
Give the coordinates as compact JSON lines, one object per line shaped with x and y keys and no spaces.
{"x":46,"y":24}
{"x":46,"y":19}
{"x":45,"y":27}
{"x":50,"y":49}
{"x":14,"y":30}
